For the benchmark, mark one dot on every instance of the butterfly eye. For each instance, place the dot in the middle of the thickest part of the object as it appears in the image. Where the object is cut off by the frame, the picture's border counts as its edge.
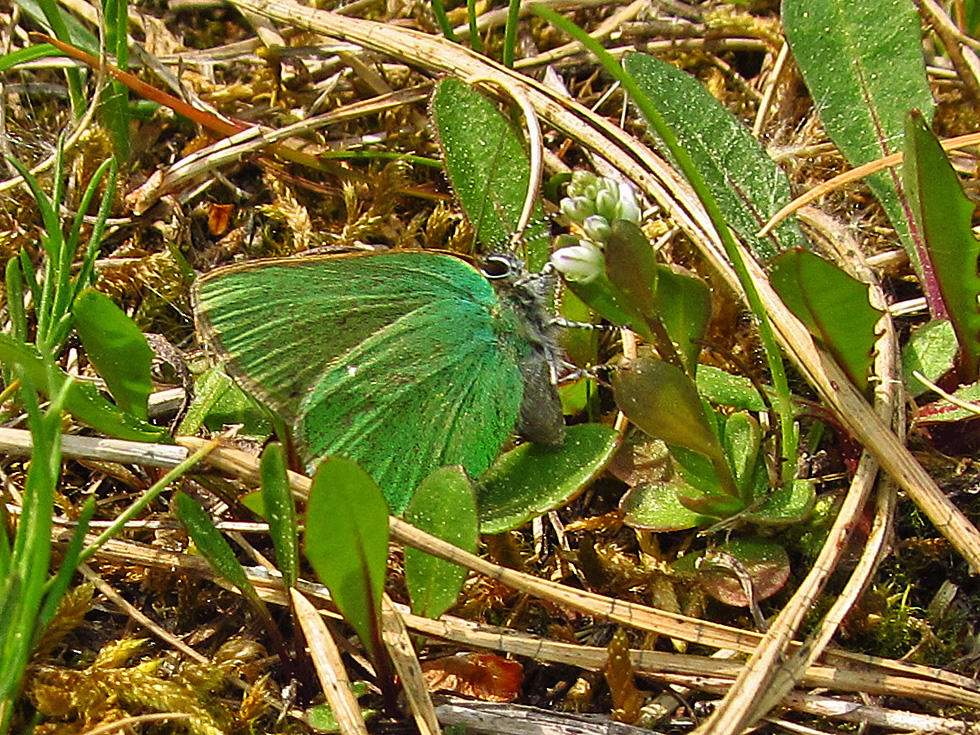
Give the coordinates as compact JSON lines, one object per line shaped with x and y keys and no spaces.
{"x":496,"y":267}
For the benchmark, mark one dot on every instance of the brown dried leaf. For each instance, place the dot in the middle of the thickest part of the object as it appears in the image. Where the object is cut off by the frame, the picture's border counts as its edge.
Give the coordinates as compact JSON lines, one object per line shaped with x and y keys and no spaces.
{"x":482,"y":676}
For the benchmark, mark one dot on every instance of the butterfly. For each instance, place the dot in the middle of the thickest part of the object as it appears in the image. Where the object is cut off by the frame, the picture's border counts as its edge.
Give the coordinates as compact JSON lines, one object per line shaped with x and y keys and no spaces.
{"x":403,"y":361}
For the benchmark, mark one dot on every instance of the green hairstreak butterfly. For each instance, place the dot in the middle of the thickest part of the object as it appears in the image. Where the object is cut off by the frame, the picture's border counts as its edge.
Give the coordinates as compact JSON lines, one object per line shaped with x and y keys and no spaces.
{"x":403,"y":361}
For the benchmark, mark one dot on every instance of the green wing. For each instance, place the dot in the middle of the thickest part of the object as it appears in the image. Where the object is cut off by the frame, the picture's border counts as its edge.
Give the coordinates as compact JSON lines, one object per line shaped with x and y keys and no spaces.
{"x":403,"y":362}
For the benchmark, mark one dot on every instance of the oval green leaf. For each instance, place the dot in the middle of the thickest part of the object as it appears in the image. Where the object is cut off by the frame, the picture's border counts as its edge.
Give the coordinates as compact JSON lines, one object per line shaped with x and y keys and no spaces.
{"x":346,"y":541}
{"x":487,"y":166}
{"x":748,"y":185}
{"x":117,"y":349}
{"x":445,"y":506}
{"x":833,"y":305}
{"x":533,"y":479}
{"x":862,"y":61}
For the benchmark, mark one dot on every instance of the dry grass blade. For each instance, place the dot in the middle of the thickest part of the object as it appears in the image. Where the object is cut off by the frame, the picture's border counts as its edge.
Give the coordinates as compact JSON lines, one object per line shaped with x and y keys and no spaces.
{"x":329,"y":667}
{"x":399,"y":645}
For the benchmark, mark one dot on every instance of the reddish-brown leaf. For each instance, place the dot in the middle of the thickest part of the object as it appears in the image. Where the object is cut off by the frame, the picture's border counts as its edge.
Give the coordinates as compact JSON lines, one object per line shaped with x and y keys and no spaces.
{"x":482,"y":676}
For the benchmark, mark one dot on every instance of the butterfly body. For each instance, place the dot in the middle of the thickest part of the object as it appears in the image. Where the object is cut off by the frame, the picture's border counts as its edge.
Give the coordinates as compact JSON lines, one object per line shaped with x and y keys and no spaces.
{"x":404,"y":362}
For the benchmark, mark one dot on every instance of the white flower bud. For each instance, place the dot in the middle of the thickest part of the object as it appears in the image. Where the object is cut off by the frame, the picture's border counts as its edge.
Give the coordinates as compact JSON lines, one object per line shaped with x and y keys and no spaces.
{"x":580,"y":263}
{"x":629,"y":206}
{"x":597,"y":228}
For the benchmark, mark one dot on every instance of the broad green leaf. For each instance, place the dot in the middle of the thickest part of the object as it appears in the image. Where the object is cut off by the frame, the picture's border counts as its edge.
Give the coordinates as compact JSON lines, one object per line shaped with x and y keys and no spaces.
{"x":445,"y":506}
{"x":117,"y":349}
{"x":611,"y":304}
{"x":862,"y":61}
{"x":833,"y":305}
{"x":748,"y":185}
{"x":632,"y":267}
{"x":684,"y":303}
{"x":280,"y":511}
{"x":741,"y":439}
{"x":944,"y":215}
{"x":674,"y":308}
{"x":533,"y":479}
{"x":930,"y":350}
{"x":662,"y":401}
{"x":346,"y":541}
{"x":82,"y":400}
{"x":487,"y":166}
{"x":657,"y":507}
{"x":790,"y":503}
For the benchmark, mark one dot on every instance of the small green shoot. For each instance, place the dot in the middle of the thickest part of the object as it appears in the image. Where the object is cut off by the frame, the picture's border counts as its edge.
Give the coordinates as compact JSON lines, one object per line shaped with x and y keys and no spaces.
{"x":28,"y":596}
{"x":280,"y":512}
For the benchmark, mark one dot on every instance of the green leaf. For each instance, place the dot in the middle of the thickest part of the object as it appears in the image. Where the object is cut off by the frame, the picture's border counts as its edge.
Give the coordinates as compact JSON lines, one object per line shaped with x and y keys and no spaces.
{"x":29,"y":53}
{"x":218,"y":402}
{"x":862,"y":61}
{"x":82,"y":400}
{"x":724,"y":389}
{"x":833,"y":305}
{"x":533,"y":479}
{"x":117,"y":349}
{"x":280,"y":511}
{"x":741,"y":440}
{"x":662,"y":401}
{"x":445,"y":506}
{"x":944,"y":215}
{"x":931,"y":350}
{"x":657,"y":507}
{"x":487,"y":166}
{"x":943,"y":412}
{"x":346,"y":541}
{"x":632,"y":267}
{"x":684,"y":304}
{"x":58,"y":585}
{"x":749,"y":186}
{"x":216,"y":550}
{"x":718,"y":506}
{"x":790,"y":503}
